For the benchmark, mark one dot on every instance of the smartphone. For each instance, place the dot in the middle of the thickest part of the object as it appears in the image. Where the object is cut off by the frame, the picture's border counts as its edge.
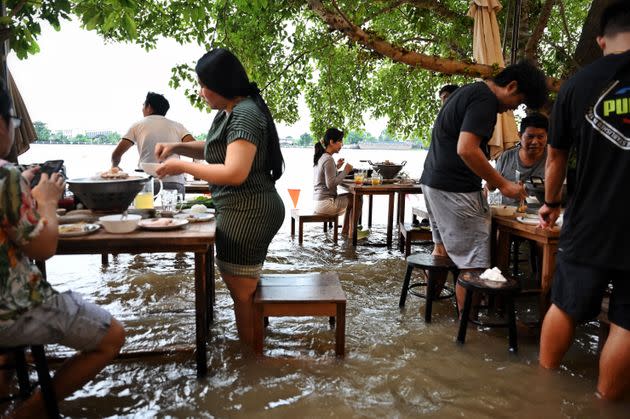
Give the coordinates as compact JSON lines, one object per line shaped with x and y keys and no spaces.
{"x":49,"y":167}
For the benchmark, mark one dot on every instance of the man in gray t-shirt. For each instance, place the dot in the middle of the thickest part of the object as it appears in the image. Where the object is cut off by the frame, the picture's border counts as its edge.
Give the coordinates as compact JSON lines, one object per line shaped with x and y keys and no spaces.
{"x":528,"y":157}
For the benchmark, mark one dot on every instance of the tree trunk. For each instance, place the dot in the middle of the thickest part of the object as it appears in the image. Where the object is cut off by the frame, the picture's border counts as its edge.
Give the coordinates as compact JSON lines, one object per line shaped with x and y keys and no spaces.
{"x":587,"y":49}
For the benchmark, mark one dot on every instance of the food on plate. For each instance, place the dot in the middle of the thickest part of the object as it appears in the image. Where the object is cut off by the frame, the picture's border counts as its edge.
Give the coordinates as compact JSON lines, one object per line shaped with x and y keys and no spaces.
{"x":158,"y":222}
{"x":198,"y":209}
{"x":114,"y":173}
{"x":71,"y":228}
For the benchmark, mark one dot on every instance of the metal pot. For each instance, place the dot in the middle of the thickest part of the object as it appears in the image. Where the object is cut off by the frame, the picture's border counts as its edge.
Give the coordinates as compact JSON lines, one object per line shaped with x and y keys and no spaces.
{"x":536,"y":186}
{"x":386,"y":169}
{"x":107,"y":194}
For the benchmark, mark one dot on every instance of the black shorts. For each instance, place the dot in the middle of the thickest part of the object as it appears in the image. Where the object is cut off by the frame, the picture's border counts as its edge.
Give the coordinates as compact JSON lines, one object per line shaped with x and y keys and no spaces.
{"x":578,"y":290}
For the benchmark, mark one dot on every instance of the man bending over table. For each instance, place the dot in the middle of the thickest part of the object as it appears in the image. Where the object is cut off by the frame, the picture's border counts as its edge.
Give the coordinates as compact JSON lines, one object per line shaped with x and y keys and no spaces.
{"x":458,"y":160}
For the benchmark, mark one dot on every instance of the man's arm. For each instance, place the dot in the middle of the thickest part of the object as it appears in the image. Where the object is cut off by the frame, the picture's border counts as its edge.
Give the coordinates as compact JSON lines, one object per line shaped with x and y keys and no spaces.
{"x":120,"y":149}
{"x":468,"y":149}
{"x":555,"y":171}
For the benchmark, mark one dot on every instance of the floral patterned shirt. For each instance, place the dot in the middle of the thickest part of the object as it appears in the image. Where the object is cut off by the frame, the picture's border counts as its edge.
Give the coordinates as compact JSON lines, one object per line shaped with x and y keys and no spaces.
{"x":22,"y":285}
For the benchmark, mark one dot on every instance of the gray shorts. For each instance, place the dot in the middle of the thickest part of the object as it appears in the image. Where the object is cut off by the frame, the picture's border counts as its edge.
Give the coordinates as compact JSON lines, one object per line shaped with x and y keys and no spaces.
{"x":65,"y":319}
{"x":461,"y":221}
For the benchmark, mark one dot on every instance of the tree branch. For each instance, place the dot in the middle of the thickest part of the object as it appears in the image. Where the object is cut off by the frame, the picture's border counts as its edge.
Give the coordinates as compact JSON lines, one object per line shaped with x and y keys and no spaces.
{"x":401,"y":55}
{"x":534,"y":39}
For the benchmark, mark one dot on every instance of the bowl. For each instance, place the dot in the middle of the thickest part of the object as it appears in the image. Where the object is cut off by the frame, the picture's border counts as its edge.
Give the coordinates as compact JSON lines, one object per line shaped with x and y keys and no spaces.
{"x":503,"y":210}
{"x":112,"y":195}
{"x":120,"y":223}
{"x":150,"y":168}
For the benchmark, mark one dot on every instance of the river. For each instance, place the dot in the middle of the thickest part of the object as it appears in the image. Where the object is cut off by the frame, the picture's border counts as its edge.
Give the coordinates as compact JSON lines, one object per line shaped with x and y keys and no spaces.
{"x":396,"y":365}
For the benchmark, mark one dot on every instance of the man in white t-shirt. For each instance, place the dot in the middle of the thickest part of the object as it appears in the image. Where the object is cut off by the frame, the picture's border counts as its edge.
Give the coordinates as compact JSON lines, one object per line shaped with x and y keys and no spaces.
{"x":152,"y":129}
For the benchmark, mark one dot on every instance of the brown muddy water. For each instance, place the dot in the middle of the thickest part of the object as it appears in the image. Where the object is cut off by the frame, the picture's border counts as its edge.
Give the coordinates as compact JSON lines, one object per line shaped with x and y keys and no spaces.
{"x":396,"y":365}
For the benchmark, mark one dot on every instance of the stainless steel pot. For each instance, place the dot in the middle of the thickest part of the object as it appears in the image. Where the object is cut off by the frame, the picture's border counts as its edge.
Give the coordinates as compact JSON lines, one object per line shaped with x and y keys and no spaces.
{"x":107,"y":194}
{"x":386,"y":169}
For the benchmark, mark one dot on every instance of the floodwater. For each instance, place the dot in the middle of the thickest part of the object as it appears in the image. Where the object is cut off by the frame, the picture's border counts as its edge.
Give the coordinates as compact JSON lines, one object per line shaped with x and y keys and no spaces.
{"x":396,"y":365}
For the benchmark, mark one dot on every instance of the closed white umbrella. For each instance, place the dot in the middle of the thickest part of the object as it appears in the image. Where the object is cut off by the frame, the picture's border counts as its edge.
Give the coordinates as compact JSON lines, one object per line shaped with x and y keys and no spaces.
{"x":487,"y":50}
{"x":26,"y":134}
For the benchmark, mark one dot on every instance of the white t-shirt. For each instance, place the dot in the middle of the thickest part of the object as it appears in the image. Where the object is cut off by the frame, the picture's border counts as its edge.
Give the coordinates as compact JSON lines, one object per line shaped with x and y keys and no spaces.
{"x":154,"y":129}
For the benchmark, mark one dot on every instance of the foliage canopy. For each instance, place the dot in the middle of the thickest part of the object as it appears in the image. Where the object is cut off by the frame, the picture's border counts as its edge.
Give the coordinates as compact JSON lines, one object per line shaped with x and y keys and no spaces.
{"x":311,"y":48}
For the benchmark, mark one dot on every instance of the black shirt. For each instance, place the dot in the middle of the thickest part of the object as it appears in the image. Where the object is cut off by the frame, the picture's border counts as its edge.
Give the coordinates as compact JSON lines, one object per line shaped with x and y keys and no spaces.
{"x":592,"y":114}
{"x":472,"y":108}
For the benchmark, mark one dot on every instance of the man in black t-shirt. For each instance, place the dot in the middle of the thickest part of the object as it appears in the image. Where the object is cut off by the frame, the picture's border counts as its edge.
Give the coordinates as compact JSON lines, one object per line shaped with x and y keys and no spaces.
{"x":458,"y":160}
{"x":592,"y":118}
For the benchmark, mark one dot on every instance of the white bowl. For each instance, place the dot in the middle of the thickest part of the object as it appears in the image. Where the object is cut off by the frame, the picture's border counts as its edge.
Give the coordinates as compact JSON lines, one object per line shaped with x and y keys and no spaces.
{"x":117,"y":224}
{"x":150,"y":168}
{"x":503,"y":210}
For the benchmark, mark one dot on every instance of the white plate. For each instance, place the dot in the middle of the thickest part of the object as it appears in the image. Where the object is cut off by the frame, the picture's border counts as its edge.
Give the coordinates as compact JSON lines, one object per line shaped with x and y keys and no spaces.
{"x":195,"y":218}
{"x":149,"y":224}
{"x":77,"y":229}
{"x":534,"y":221}
{"x":208,"y":211}
{"x":527,"y":220}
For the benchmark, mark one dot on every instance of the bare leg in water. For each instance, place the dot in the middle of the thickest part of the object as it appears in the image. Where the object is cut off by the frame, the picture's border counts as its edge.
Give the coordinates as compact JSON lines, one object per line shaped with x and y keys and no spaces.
{"x":77,"y":371}
{"x":242,"y":290}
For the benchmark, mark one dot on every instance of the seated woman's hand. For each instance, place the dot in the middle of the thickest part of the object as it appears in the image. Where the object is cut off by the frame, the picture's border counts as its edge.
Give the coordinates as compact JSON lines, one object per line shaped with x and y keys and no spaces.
{"x":348,"y":168}
{"x":49,"y":189}
{"x":340,"y":162}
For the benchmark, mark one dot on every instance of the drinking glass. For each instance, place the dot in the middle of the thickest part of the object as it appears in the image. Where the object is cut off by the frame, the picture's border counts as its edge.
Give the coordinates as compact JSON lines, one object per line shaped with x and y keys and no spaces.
{"x":169,"y":199}
{"x":359,"y":176}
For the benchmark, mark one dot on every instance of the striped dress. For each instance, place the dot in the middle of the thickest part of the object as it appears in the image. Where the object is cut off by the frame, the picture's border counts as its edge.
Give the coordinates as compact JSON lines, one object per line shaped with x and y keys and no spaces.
{"x":249,"y":215}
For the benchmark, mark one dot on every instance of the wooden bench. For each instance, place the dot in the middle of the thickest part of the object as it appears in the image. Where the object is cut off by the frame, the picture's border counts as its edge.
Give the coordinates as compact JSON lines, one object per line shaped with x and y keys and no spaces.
{"x":296,"y":295}
{"x":304,"y":217}
{"x":408,"y":234}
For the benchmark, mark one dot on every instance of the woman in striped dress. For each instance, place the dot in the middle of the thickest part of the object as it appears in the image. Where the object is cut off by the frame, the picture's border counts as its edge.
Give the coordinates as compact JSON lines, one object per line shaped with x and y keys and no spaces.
{"x":243,"y":152}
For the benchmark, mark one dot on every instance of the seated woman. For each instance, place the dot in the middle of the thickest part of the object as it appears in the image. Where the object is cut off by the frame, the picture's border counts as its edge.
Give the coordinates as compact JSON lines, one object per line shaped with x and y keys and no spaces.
{"x":327,"y":178}
{"x":31,"y":311}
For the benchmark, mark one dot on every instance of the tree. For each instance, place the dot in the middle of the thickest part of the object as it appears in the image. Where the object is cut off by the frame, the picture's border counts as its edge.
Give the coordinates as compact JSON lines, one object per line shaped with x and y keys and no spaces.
{"x":42,"y":131}
{"x":347,"y":58}
{"x":306,"y":140}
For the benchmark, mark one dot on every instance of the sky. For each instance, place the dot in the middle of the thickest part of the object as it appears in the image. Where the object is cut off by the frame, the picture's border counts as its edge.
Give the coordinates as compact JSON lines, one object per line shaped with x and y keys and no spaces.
{"x":79,"y":82}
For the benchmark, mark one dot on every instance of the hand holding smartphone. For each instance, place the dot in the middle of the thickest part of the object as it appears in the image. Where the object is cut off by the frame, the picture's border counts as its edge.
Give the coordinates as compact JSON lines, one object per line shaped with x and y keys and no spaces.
{"x":49,"y":167}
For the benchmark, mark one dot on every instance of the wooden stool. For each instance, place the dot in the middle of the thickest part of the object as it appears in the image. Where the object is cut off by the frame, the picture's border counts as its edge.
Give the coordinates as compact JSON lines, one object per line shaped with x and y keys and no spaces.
{"x":25,"y":387}
{"x":312,"y":218}
{"x":314,"y":294}
{"x":432,"y":264}
{"x":408,"y":233}
{"x":471,"y":282}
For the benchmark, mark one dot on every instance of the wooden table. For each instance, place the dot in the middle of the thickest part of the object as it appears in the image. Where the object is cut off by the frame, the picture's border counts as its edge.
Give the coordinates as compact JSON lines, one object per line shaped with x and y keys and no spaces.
{"x":197,"y":238}
{"x":197,"y":186}
{"x":390,"y":190}
{"x":503,"y":228}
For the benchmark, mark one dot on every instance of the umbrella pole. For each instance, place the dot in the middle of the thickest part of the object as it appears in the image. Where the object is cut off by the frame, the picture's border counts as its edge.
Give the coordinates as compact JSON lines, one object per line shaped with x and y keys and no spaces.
{"x":515,"y":29}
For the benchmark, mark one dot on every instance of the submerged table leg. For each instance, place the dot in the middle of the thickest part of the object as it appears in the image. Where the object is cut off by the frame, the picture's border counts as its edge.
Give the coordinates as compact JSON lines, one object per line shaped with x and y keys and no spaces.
{"x":355,"y":216}
{"x":210,"y":285}
{"x":390,"y":219}
{"x":201,"y":316}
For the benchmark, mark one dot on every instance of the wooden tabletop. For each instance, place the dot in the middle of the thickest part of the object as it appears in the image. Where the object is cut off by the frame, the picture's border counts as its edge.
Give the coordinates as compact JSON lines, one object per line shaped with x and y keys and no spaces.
{"x":529,"y":231}
{"x":193,"y":237}
{"x":382,"y":188}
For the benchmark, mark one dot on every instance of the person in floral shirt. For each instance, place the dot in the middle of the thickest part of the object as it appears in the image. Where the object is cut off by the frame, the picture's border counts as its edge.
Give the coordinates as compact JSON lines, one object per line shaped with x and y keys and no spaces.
{"x":31,"y":311}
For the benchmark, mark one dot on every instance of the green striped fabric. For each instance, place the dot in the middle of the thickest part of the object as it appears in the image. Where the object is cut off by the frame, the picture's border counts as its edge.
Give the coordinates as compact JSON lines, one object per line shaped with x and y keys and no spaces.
{"x":249,"y":215}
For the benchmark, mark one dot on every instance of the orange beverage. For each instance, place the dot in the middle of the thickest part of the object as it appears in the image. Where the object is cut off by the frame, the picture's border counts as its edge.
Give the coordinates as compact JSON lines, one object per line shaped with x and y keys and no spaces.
{"x":358,"y":178}
{"x":295,"y":195}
